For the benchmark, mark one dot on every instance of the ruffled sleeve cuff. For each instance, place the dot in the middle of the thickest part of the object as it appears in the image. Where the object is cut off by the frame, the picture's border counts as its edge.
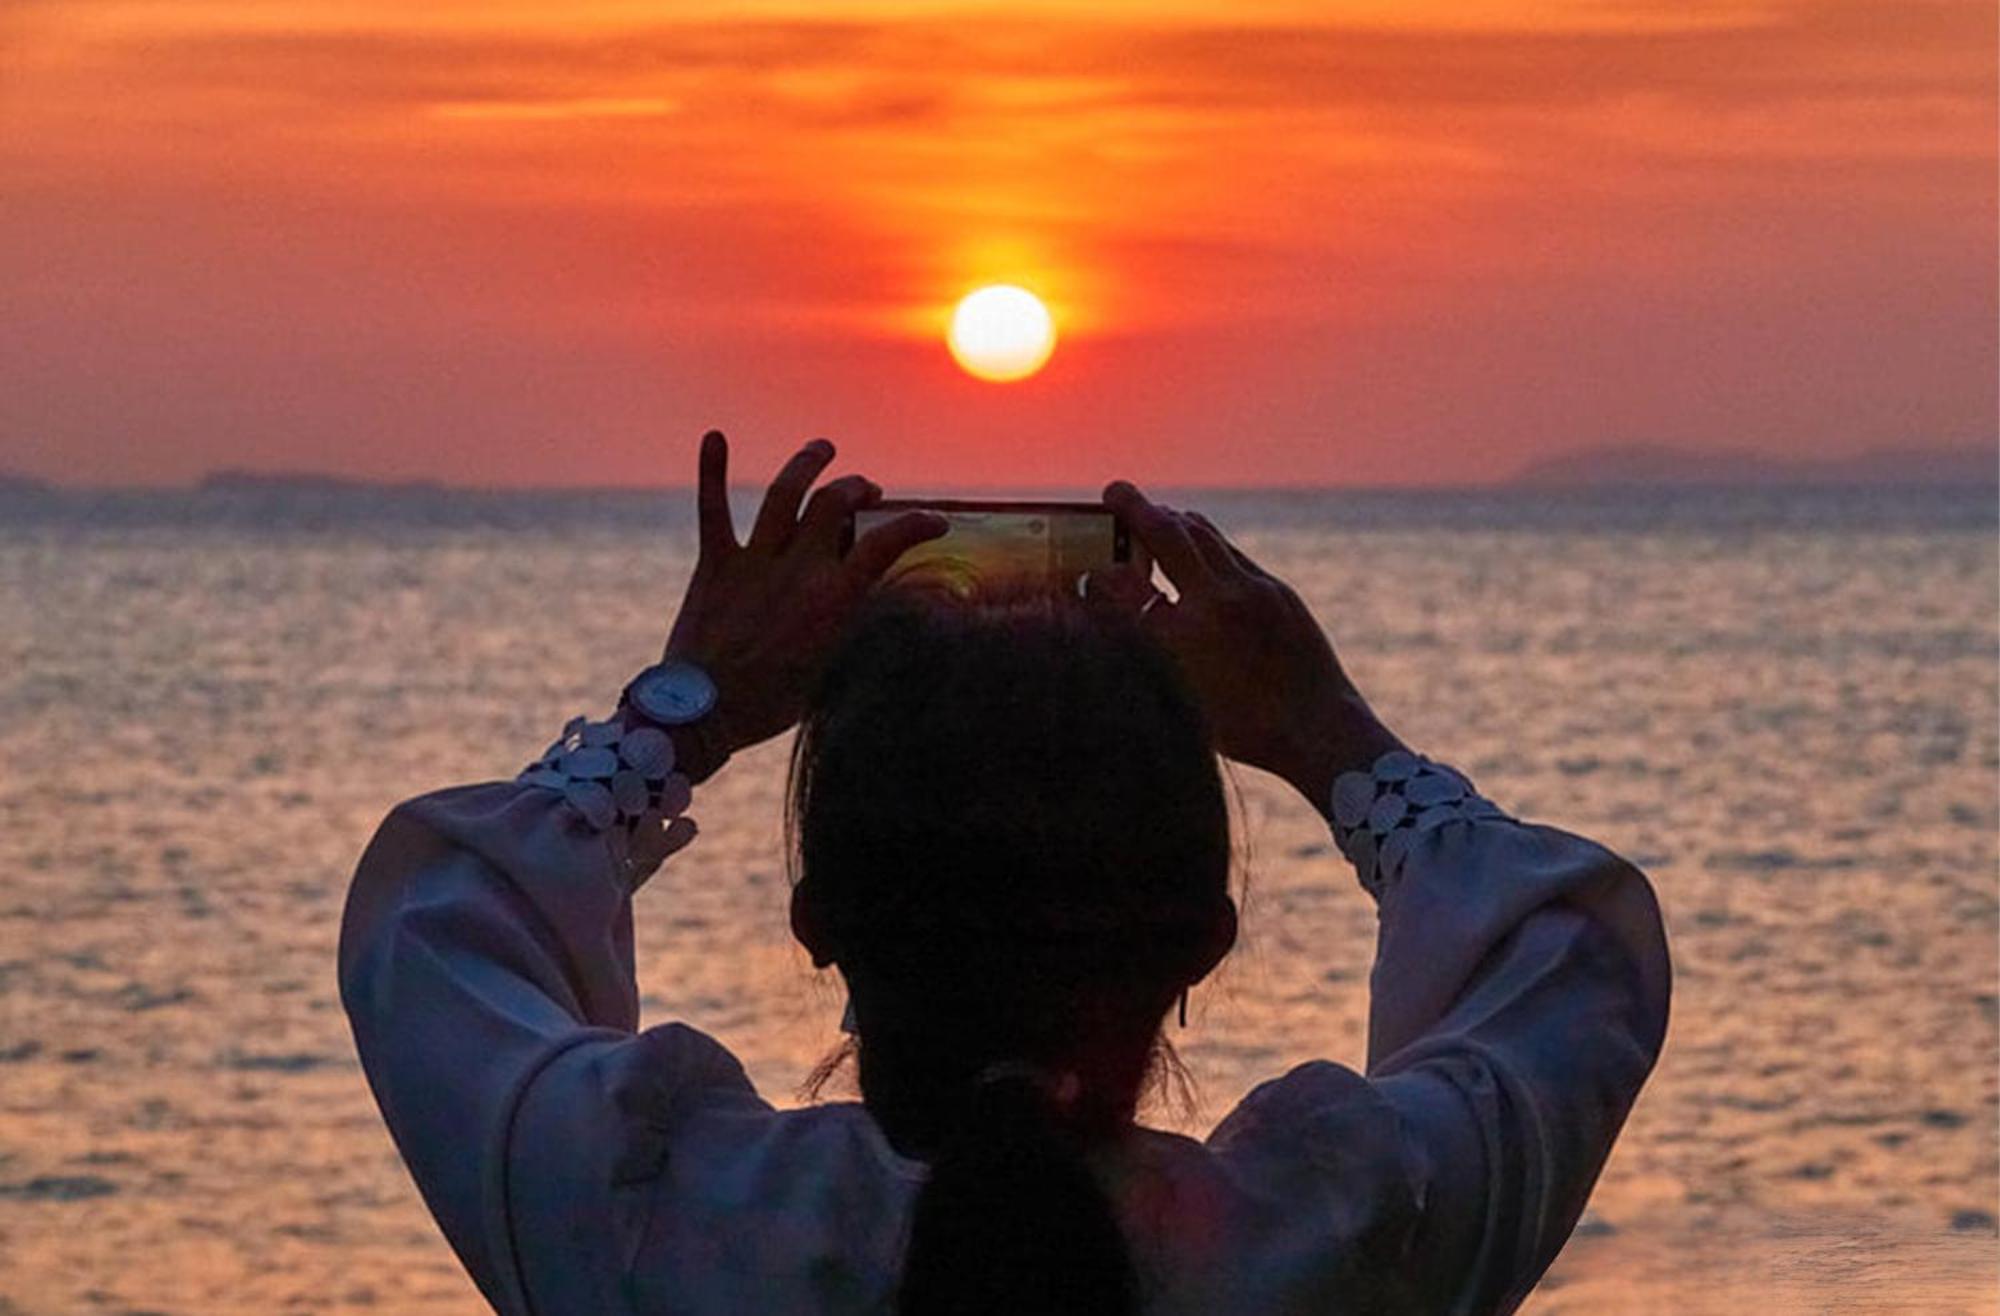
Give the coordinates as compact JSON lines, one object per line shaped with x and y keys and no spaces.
{"x":1379,"y":816}
{"x":620,"y":778}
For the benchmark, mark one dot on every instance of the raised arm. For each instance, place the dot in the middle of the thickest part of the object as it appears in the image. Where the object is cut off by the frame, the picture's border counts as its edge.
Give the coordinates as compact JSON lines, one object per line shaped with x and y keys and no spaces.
{"x":1519,"y":994}
{"x":486,"y":958}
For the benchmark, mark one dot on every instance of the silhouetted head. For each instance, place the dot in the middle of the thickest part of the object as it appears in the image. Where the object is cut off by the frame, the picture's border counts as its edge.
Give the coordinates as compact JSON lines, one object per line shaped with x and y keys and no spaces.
{"x":1009,"y":832}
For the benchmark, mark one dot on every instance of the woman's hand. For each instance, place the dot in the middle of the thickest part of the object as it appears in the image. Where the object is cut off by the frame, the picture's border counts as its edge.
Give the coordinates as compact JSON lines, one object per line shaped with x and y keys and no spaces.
{"x":759,"y":617}
{"x":1275,"y":695}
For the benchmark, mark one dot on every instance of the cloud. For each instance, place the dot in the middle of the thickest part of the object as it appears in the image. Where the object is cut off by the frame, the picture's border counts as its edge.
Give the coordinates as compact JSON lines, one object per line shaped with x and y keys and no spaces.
{"x":926,"y":107}
{"x":1234,"y":154}
{"x":533,"y":111}
{"x":1809,"y":48}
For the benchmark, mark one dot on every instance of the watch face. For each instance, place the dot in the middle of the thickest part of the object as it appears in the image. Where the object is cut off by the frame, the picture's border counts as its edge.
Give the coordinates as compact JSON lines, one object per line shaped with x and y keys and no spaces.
{"x":674,"y":692}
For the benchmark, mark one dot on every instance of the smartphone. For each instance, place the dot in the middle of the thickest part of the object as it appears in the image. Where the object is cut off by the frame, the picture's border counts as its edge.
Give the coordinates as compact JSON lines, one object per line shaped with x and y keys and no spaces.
{"x":999,"y":542}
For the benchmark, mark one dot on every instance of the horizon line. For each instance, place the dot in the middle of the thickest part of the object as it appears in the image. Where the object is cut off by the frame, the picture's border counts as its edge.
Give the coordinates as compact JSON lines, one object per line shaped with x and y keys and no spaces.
{"x":1608,"y":466}
{"x":13,"y":486}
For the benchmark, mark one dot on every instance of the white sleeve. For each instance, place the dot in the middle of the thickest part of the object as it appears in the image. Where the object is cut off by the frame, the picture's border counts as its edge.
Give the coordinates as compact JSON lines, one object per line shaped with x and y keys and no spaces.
{"x":1518,"y":1002}
{"x":486,"y":953}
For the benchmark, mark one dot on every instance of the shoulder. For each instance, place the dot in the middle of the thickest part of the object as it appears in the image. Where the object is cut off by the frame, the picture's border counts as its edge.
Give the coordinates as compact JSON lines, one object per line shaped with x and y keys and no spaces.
{"x":605,"y":1110}
{"x":648,"y":1174}
{"x":1324,"y":1131}
{"x":668,"y":1077}
{"x":1300,"y":1200}
{"x":1296,"y":1111}
{"x":674,"y":1105}
{"x":1329,"y":1175}
{"x":822,"y":1162}
{"x":797,"y":1210}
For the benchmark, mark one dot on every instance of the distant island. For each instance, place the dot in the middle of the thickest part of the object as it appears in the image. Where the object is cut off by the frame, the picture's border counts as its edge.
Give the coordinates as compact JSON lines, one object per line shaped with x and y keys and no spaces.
{"x":1627,"y":466}
{"x":1607,"y":466}
{"x":1659,"y":464}
{"x":24,"y":484}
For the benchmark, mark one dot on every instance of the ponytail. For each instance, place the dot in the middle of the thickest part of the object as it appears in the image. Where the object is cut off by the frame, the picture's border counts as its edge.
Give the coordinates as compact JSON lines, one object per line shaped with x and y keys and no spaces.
{"x":1011,"y":1220}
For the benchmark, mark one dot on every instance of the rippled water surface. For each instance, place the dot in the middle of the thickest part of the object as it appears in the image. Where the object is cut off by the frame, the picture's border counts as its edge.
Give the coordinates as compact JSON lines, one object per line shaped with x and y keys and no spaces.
{"x":1783,"y":705}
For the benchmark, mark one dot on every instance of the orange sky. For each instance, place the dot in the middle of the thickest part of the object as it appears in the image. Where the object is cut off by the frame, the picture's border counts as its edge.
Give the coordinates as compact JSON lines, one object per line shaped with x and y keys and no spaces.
{"x":1366,"y":242}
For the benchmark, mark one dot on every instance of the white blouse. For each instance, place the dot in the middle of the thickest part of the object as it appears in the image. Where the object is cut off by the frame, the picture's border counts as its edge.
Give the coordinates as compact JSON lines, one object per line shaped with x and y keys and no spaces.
{"x":1518,"y":1002}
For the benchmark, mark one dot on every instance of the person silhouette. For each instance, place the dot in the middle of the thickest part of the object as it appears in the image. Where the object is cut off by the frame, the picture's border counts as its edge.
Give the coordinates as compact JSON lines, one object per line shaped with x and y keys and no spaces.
{"x":1009,"y":836}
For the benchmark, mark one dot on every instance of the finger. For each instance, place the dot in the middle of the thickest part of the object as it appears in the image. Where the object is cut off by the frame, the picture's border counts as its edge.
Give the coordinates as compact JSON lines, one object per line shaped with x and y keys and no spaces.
{"x":875,"y":552}
{"x":1139,"y":560}
{"x":1243,"y":560}
{"x":830,"y":506}
{"x":778,"y":516}
{"x":1163,"y":534}
{"x":1123,"y":587}
{"x":1208,"y":542}
{"x":716,"y":532}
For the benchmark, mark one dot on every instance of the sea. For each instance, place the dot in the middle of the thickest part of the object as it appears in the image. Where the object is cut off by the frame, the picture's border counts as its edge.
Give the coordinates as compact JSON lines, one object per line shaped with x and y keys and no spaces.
{"x":1782,"y":703}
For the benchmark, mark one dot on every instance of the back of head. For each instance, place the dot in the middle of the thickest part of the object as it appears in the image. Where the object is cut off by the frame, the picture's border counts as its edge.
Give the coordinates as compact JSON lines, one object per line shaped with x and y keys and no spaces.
{"x":1011,"y":836}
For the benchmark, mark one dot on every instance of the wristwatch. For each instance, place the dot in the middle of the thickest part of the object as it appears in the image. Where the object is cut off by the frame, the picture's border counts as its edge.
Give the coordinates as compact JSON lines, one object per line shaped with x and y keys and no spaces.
{"x":671,"y":693}
{"x":681,"y":696}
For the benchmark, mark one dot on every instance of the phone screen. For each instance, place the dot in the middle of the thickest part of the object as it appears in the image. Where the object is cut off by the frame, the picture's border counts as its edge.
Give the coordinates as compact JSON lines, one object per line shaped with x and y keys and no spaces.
{"x":996,"y":543}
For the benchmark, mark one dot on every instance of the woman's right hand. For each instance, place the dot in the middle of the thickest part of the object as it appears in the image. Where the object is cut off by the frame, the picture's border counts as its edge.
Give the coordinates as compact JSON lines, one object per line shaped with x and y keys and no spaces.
{"x":1267,"y":678}
{"x":761,"y":616}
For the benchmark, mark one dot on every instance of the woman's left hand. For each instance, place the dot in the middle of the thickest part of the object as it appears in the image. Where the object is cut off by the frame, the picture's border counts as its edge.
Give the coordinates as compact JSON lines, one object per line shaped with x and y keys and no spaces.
{"x":760,"y":617}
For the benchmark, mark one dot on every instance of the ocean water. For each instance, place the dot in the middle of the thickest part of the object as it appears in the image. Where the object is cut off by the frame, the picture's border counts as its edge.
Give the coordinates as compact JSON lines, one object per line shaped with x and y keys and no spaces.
{"x":1781,"y":703}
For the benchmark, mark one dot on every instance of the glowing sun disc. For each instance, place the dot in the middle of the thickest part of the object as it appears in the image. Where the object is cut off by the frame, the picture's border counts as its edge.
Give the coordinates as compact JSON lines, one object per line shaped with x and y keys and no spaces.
{"x":1001,"y":332}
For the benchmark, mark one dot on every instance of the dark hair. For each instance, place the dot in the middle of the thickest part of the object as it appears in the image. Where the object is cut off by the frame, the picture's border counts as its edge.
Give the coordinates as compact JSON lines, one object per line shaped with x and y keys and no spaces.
{"x":1008,"y":829}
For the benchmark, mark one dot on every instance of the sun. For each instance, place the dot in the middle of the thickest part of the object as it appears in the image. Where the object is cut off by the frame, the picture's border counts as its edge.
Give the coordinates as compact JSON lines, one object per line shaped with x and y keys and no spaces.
{"x":1001,"y":332}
